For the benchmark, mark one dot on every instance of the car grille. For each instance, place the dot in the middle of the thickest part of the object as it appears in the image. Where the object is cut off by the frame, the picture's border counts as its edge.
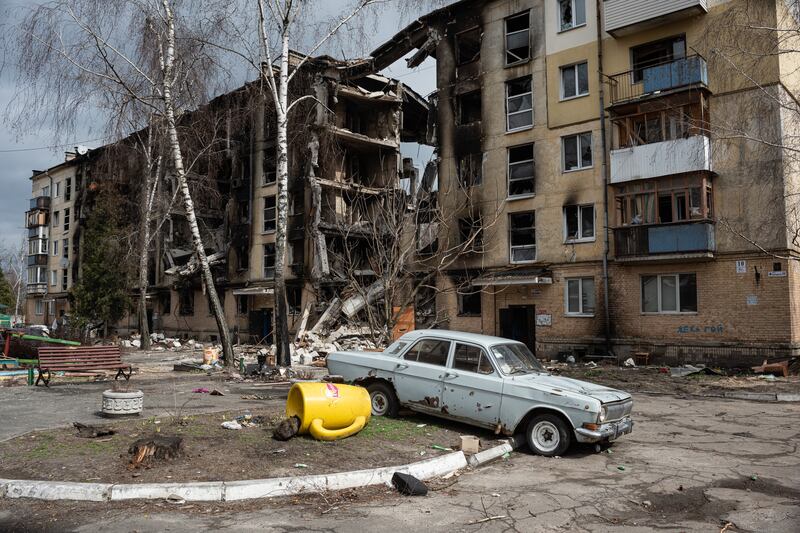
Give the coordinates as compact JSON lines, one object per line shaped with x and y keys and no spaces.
{"x":617,"y":410}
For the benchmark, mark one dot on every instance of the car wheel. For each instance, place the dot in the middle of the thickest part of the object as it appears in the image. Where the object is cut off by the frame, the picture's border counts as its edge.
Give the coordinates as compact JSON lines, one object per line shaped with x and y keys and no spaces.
{"x":548,"y":435}
{"x":384,"y":400}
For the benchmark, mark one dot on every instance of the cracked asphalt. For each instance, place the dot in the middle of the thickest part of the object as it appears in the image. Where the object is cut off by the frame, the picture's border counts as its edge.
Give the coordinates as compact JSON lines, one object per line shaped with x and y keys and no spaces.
{"x":691,"y":464}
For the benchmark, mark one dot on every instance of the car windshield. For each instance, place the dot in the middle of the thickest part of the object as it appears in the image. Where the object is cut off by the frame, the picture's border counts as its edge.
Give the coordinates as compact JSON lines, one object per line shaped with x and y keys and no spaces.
{"x":516,"y":359}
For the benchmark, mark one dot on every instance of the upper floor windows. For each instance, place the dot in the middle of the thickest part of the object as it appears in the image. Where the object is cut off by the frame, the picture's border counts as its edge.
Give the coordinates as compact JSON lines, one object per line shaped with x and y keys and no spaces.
{"x":468,"y":46}
{"x":519,"y":104}
{"x":521,"y":170}
{"x":522,"y":237}
{"x":574,"y":80}
{"x":469,"y":107}
{"x":656,"y":53}
{"x":518,"y":38}
{"x":576,"y":151}
{"x":571,"y":14}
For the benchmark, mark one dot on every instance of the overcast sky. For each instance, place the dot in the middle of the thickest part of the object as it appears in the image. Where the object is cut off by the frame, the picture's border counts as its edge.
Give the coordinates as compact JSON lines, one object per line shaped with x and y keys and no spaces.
{"x":36,"y":150}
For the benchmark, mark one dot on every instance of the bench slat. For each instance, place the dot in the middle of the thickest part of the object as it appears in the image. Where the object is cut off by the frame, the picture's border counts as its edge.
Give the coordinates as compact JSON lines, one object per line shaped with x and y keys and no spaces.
{"x":74,"y":367}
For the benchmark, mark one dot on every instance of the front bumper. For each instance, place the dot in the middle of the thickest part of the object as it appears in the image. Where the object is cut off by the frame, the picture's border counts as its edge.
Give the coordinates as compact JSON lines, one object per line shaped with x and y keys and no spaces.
{"x":607,"y":432}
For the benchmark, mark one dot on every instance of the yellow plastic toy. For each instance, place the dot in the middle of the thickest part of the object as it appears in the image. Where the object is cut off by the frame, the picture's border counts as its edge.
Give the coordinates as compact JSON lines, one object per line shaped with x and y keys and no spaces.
{"x":329,"y":411}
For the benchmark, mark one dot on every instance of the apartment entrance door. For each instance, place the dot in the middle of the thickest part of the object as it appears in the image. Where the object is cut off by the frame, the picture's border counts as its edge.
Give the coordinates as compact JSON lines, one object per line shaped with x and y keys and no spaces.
{"x":518,"y":322}
{"x":260,"y":325}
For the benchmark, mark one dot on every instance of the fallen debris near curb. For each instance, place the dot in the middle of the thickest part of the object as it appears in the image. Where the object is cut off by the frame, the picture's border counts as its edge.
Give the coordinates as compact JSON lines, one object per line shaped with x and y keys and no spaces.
{"x":409,"y":485}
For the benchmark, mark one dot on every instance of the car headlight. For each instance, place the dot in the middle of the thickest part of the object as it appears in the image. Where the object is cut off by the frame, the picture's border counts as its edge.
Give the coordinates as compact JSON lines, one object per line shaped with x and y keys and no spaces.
{"x":603,"y":414}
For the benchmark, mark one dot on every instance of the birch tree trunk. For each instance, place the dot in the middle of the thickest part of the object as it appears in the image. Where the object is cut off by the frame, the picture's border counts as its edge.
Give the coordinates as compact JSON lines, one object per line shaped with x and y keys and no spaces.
{"x":188,"y":204}
{"x":281,"y":318}
{"x":144,"y":239}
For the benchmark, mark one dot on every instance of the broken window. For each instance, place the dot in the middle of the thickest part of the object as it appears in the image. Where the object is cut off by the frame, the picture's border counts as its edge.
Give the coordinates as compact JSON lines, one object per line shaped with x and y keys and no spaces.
{"x":518,"y":49}
{"x":294,"y":296}
{"x":574,"y":80}
{"x":56,"y":219}
{"x":677,"y":199}
{"x":576,"y":151}
{"x":67,"y":189}
{"x":572,"y":13}
{"x":469,"y":107}
{"x":186,"y":302}
{"x":470,"y":169}
{"x":166,"y":303}
{"x":269,"y":213}
{"x":242,"y":305}
{"x":269,"y":260}
{"x":522,"y":237}
{"x":579,"y":222}
{"x":519,"y":104}
{"x":430,"y":351}
{"x":270,"y":166}
{"x":243,"y":257}
{"x":64,"y":279}
{"x":470,"y":232}
{"x":520,"y":170}
{"x":353,"y":119}
{"x":669,"y":293}
{"x":656,"y":53}
{"x":243,"y":211}
{"x":468,"y":46}
{"x":471,"y":359}
{"x":65,"y":248}
{"x":469,"y":300}
{"x":66,"y":219}
{"x":580,"y":296}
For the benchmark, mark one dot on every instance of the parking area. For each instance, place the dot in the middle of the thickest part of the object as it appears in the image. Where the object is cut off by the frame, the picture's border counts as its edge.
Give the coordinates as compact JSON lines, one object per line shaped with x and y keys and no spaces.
{"x":691,"y":464}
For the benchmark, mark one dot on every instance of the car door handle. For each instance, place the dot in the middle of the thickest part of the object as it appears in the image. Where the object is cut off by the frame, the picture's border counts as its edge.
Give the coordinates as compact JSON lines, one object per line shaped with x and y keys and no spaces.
{"x":400,"y":366}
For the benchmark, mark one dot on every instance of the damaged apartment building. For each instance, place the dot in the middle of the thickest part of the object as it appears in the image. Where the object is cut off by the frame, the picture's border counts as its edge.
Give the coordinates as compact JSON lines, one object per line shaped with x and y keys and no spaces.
{"x":625,"y":175}
{"x":344,"y":163}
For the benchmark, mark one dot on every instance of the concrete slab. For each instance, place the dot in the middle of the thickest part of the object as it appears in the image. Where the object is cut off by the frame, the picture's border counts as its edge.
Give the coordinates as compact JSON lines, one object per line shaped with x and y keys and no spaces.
{"x":201,"y":492}
{"x":54,"y":490}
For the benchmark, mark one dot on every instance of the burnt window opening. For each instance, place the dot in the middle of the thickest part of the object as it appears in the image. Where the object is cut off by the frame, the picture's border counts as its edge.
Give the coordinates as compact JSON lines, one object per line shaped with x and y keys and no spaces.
{"x":270,"y":213}
{"x":470,"y":170}
{"x":469,"y":107}
{"x":242,"y":305}
{"x":353,"y":170}
{"x":468,"y":46}
{"x":656,"y":53}
{"x":243,"y":257}
{"x":521,"y":170}
{"x":68,"y":189}
{"x":576,"y":151}
{"x":579,"y":222}
{"x":519,"y":104}
{"x":294,"y":297}
{"x":64,"y":279}
{"x":269,"y":260}
{"x":186,"y":302}
{"x":518,"y":47}
{"x":469,"y":299}
{"x":243,"y":211}
{"x":65,"y":248}
{"x":270,"y":166}
{"x":522,"y":237}
{"x":470,"y":232}
{"x":165,"y":300}
{"x":353,"y":119}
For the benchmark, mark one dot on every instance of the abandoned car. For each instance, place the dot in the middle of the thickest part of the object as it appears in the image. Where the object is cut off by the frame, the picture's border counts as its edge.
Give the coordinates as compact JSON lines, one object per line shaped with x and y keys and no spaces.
{"x":490,"y":382}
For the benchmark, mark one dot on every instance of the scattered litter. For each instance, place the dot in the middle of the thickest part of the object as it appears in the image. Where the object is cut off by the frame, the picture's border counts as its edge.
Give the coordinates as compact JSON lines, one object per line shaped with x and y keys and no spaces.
{"x":591,"y":364}
{"x":608,"y":451}
{"x":201,"y":390}
{"x":778,"y":367}
{"x":421,"y":425}
{"x":571,"y":359}
{"x":767,"y":377}
{"x":495,"y":495}
{"x":92,"y":432}
{"x":441,"y":448}
{"x":409,"y":485}
{"x":276,"y":452}
{"x":175,"y":499}
{"x":256,"y":397}
{"x":754,"y":477}
{"x":647,"y":503}
{"x":629,"y":362}
{"x":506,"y":456}
{"x":487,"y":519}
{"x":621,"y":467}
{"x":216,"y":392}
{"x":231,"y":424}
{"x":300,"y":465}
{"x":690,"y":370}
{"x":470,"y":444}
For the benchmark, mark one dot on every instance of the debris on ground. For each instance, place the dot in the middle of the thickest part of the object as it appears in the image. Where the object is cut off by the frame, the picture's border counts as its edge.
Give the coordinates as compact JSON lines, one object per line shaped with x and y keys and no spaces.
{"x":441,"y":448}
{"x":470,"y":444}
{"x":690,"y":370}
{"x":300,"y":465}
{"x":629,"y":362}
{"x":409,"y":485}
{"x":775,"y":368}
{"x":201,"y":390}
{"x":217,"y":392}
{"x":232,"y":424}
{"x":157,"y":447}
{"x":92,"y":432}
{"x":287,"y":429}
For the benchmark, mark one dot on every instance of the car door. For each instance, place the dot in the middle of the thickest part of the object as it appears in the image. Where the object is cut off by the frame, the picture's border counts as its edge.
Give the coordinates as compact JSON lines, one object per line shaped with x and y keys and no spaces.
{"x":473,"y":388}
{"x":419,"y":373}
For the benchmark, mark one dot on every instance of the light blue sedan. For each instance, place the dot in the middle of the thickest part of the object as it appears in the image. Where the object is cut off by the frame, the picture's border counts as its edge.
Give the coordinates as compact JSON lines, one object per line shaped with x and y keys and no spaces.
{"x":490,"y":382}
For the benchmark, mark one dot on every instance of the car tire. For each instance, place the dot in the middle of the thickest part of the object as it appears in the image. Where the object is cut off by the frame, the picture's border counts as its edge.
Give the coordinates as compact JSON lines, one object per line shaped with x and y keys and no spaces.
{"x":548,"y":435}
{"x":383,"y":399}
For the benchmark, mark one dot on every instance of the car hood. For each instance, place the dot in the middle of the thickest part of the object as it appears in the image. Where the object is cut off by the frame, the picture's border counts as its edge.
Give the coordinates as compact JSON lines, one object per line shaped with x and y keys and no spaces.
{"x":558,"y":384}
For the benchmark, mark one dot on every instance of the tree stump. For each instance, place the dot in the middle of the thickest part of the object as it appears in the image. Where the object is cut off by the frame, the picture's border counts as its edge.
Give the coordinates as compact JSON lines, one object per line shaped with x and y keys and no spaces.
{"x":286,"y":429}
{"x":157,"y":447}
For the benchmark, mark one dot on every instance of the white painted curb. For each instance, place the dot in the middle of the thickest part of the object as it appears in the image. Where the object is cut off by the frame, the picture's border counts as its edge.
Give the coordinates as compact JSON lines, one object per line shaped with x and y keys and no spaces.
{"x":481,"y":458}
{"x":55,"y":490}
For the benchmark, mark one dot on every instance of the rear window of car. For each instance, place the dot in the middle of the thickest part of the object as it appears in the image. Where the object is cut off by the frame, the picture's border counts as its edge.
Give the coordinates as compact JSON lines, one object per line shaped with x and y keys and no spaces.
{"x":395,"y":348}
{"x":430,"y":351}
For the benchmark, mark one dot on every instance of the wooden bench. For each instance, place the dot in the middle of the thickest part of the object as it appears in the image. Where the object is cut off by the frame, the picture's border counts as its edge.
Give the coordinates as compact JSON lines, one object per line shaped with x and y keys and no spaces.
{"x":79,"y":359}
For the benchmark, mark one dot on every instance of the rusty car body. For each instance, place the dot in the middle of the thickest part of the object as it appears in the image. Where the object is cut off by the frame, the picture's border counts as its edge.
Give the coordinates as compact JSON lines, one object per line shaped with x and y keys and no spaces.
{"x":486,"y":381}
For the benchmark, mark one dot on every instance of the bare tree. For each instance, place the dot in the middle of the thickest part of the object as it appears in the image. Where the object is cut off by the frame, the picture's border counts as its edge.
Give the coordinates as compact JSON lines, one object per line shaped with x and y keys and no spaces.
{"x":13,"y":261}
{"x":124,"y":57}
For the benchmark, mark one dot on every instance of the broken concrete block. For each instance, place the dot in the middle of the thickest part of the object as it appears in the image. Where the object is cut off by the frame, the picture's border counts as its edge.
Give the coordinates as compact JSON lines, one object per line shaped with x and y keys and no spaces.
{"x":136,"y":343}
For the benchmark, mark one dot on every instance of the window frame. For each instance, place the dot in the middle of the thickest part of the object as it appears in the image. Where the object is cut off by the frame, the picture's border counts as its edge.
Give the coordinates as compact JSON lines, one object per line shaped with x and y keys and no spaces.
{"x":580,"y":238}
{"x":512,"y":247}
{"x":579,"y":149}
{"x":483,"y":356}
{"x":506,"y":33}
{"x":525,"y":161}
{"x":54,"y":278}
{"x":459,"y":61}
{"x":581,"y":312}
{"x":471,"y":292}
{"x":274,"y":219}
{"x":573,"y":25}
{"x":660,"y":311}
{"x":65,"y":248}
{"x":460,"y":104}
{"x":509,"y":129}
{"x":562,"y":96}
{"x":264,"y":257}
{"x":38,"y":307}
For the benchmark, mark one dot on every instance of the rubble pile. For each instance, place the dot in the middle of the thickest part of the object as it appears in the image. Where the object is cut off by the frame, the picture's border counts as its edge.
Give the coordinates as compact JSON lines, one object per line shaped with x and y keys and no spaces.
{"x":161,"y":343}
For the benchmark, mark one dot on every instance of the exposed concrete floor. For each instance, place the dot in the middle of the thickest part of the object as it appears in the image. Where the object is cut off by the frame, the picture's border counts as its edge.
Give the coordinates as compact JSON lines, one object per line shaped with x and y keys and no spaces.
{"x":690,"y":465}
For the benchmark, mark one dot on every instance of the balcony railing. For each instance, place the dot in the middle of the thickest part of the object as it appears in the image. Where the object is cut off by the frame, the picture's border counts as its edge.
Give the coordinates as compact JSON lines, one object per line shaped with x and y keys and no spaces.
{"x":677,"y":156}
{"x":36,"y":288}
{"x":40,"y":202}
{"x":655,"y":241}
{"x":627,"y":16}
{"x":655,"y":80}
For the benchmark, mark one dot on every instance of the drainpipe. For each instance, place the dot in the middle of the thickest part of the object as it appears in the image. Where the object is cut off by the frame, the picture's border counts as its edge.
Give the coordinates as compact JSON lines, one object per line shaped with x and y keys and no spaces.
{"x":604,"y":171}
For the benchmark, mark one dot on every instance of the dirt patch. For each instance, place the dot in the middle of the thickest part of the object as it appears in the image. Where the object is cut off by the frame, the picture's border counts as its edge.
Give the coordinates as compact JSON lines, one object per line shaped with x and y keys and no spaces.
{"x":212,"y":453}
{"x":651,"y":379}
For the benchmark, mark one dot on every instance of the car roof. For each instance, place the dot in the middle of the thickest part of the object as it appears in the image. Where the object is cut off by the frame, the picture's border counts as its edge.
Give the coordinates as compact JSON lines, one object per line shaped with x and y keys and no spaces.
{"x":476,"y":338}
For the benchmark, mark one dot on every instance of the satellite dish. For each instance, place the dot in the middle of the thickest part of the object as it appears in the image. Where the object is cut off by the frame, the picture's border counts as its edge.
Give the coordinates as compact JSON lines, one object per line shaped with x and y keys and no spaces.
{"x":82,"y":150}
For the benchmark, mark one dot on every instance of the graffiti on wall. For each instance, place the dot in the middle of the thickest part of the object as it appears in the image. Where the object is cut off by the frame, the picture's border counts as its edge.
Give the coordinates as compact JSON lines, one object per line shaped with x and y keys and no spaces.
{"x":687,"y":328}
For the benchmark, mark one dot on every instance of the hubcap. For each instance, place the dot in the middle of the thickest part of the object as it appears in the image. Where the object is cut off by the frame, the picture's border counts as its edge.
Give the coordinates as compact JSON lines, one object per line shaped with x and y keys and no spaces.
{"x":545,"y":435}
{"x":379,"y":403}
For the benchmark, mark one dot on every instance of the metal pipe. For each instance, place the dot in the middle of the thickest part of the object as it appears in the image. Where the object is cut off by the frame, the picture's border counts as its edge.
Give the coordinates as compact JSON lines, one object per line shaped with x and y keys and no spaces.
{"x":604,"y":171}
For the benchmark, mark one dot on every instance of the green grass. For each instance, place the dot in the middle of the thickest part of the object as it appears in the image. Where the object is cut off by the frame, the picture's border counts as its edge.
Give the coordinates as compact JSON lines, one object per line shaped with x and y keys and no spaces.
{"x":45,"y":447}
{"x":392,"y":429}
